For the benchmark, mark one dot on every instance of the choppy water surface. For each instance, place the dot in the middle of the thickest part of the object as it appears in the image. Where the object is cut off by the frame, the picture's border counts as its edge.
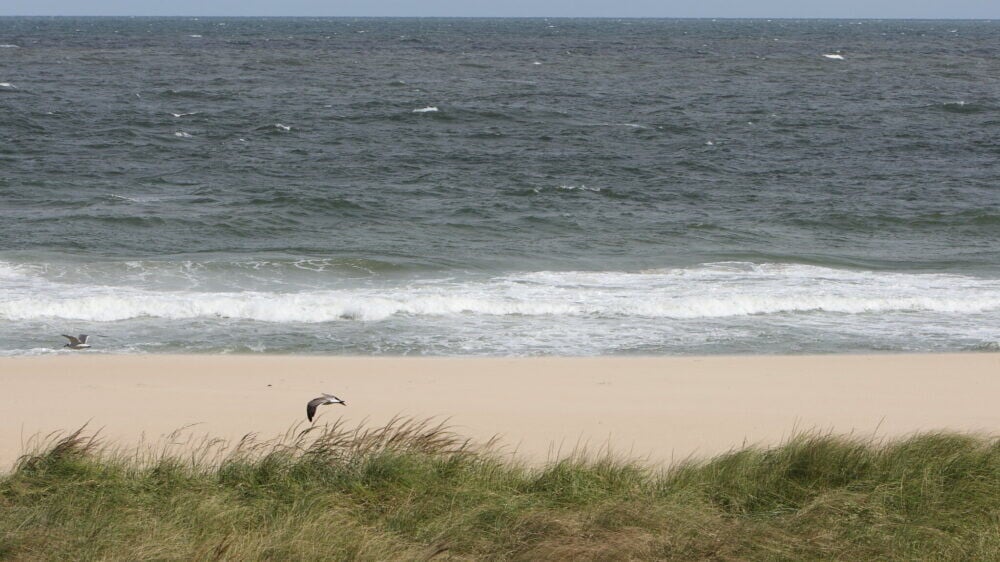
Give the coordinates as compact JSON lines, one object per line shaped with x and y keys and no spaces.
{"x":467,"y":187}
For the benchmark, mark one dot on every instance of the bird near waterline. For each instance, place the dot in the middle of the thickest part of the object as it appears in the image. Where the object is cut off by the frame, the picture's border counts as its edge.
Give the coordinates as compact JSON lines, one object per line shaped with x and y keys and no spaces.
{"x":77,"y":342}
{"x":321,"y":401}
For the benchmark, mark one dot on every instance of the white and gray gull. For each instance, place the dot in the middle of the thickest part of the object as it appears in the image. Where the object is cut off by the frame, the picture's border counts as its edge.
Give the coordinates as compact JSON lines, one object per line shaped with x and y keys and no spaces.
{"x":77,"y":342}
{"x":321,"y":401}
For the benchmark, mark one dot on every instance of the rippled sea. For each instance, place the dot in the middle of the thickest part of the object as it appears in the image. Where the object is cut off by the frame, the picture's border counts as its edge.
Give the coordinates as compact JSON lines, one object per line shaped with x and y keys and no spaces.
{"x":499,"y":187}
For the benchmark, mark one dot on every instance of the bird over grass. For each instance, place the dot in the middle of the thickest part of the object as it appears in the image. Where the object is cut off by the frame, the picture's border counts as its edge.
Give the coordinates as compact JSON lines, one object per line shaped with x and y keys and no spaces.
{"x":321,"y":401}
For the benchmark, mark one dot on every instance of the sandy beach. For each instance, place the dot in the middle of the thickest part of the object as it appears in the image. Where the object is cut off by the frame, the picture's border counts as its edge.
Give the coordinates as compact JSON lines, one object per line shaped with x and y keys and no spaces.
{"x":658,"y":409}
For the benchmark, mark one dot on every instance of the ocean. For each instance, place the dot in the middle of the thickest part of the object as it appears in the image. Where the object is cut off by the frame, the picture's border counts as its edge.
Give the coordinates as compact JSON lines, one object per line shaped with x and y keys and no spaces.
{"x":499,"y":187}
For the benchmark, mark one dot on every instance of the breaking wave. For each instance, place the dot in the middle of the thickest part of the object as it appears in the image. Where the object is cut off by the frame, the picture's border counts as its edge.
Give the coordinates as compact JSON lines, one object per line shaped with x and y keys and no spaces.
{"x":707,"y":291}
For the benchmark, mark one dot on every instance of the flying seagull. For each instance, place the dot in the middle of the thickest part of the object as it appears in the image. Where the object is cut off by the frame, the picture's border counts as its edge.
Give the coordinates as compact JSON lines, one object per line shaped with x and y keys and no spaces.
{"x":321,"y":401}
{"x":77,"y":342}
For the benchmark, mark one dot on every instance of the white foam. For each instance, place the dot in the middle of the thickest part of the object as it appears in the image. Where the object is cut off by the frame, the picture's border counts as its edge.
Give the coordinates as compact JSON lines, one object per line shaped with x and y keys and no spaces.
{"x":34,"y":351}
{"x":183,"y":135}
{"x":195,"y":36}
{"x":11,"y":271}
{"x":281,"y":127}
{"x":428,"y":109}
{"x":709,"y":291}
{"x":629,"y":125}
{"x":8,"y":85}
{"x":9,"y":46}
{"x":137,"y":199}
{"x":580,"y":187}
{"x":179,"y":115}
{"x":833,"y":56}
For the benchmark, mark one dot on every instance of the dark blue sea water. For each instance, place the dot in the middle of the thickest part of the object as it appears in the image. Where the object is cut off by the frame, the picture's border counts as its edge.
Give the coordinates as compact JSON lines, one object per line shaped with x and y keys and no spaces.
{"x":502,"y":187}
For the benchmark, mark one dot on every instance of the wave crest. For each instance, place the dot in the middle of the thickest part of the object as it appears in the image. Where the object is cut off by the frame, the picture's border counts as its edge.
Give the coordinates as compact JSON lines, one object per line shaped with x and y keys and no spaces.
{"x":707,"y":291}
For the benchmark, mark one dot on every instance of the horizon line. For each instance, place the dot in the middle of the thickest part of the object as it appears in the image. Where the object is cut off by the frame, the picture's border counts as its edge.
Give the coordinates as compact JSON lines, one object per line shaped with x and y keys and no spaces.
{"x":729,"y":18}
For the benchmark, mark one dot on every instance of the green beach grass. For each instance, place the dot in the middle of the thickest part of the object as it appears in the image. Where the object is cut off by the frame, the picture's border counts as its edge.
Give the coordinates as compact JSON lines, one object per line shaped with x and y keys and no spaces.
{"x":415,"y":491}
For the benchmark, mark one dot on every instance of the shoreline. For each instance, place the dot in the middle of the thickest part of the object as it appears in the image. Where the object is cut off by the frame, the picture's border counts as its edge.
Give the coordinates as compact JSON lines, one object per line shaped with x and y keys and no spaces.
{"x":654,"y":409}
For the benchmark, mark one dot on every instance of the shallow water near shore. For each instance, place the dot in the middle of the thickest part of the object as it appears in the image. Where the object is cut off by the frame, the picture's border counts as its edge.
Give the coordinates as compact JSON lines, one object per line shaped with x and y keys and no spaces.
{"x":499,"y":187}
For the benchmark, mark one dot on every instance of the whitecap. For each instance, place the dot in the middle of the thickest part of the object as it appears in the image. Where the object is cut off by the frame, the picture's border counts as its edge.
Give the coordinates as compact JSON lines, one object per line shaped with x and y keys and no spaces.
{"x":183,"y":135}
{"x":536,"y":63}
{"x":9,"y":46}
{"x":629,"y":125}
{"x":428,"y":109}
{"x":138,"y":199}
{"x":281,"y":127}
{"x":195,"y":36}
{"x":833,"y":56}
{"x":8,"y":86}
{"x":580,"y":187}
{"x":179,"y":115}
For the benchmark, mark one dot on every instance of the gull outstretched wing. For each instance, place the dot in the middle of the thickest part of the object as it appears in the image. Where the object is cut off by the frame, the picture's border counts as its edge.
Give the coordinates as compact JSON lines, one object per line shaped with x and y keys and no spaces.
{"x":312,"y":405}
{"x":321,"y":401}
{"x":331,"y":399}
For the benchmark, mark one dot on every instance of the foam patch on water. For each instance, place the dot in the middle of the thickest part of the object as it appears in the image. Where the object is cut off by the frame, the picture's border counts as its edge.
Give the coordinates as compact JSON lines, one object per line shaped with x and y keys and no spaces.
{"x":428,"y":109}
{"x":709,"y":291}
{"x":10,"y":271}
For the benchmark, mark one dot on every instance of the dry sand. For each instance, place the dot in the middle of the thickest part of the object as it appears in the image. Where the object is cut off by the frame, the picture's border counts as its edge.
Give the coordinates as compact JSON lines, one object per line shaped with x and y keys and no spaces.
{"x":654,"y":408}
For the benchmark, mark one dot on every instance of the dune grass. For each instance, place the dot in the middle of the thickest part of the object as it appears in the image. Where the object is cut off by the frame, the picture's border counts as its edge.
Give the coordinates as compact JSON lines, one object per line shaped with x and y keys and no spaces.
{"x":415,"y":491}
